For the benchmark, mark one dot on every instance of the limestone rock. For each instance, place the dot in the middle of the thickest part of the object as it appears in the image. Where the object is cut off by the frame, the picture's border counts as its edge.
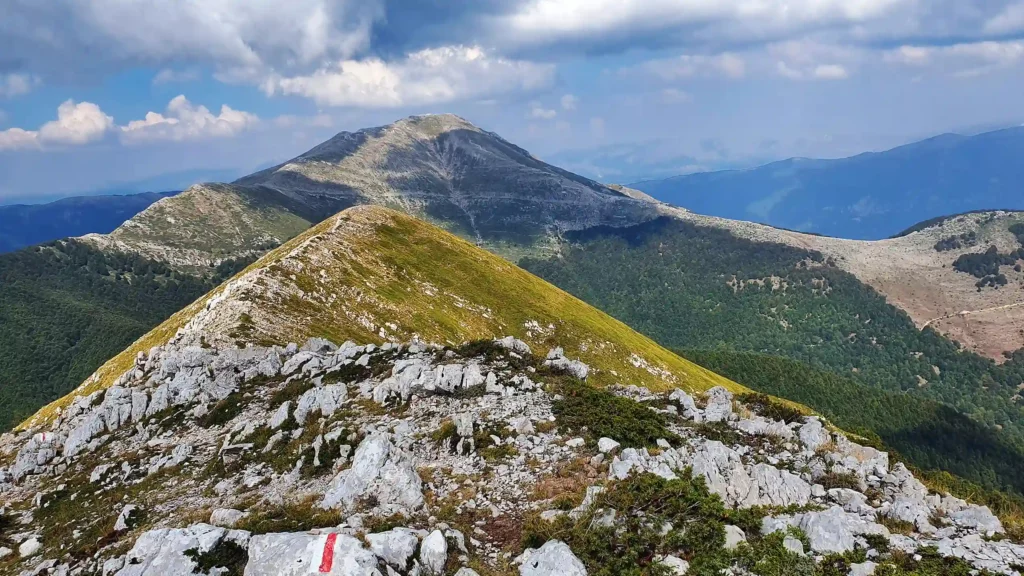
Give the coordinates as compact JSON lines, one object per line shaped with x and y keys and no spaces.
{"x":434,"y":553}
{"x":863,"y":569}
{"x":813,"y":434}
{"x":226,"y":517}
{"x":734,"y":536}
{"x":675,"y":565}
{"x":554,"y":558}
{"x":162,"y":551}
{"x":299,"y":554}
{"x":29,"y":547}
{"x":379,"y":469}
{"x":556,"y":359}
{"x":719,"y":406}
{"x":395,"y":546}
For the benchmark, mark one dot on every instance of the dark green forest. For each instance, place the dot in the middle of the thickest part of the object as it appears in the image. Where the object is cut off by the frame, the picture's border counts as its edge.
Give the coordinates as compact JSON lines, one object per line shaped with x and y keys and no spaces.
{"x":928,"y":434}
{"x":688,"y":286}
{"x":65,"y":308}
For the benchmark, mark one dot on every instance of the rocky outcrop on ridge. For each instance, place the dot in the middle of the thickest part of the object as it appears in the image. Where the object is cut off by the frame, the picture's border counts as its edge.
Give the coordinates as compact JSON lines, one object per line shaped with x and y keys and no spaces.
{"x":411,"y":458}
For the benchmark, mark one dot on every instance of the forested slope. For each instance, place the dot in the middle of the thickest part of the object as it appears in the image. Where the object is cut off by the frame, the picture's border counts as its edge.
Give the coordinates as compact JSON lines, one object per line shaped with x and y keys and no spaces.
{"x":689,"y":286}
{"x":65,"y":308}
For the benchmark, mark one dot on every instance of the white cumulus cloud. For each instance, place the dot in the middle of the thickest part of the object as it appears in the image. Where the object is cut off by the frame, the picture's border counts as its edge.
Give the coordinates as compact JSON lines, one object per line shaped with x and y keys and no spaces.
{"x":76,"y":123}
{"x":538,"y":112}
{"x":186,"y":121}
{"x":84,"y":122}
{"x":430,"y":76}
{"x":569,"y":102}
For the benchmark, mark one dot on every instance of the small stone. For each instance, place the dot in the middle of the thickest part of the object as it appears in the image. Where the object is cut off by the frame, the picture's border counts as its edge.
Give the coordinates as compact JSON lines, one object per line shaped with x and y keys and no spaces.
{"x":226,"y":517}
{"x":794,"y":545}
{"x":863,"y":569}
{"x":606,"y":445}
{"x":5,"y":552}
{"x":29,"y":547}
{"x":575,"y":443}
{"x":676,"y":565}
{"x":734,"y":536}
{"x":554,"y":558}
{"x":126,"y":519}
{"x":395,"y":546}
{"x":434,"y":553}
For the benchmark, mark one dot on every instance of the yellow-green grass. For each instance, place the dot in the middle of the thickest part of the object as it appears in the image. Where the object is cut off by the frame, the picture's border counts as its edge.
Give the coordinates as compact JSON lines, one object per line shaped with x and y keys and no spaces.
{"x":369,"y":268}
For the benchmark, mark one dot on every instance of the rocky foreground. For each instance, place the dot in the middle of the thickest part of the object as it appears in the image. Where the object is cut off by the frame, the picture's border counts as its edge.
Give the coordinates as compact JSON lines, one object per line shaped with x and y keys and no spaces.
{"x":416,"y":459}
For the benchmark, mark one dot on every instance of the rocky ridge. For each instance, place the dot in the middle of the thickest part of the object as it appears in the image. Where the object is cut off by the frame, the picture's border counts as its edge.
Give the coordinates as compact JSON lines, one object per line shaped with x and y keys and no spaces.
{"x":370,"y":274}
{"x":424,"y":459}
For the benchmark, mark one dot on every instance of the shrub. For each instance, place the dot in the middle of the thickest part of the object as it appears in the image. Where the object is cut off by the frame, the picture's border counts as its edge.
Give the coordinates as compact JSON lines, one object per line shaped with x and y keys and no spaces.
{"x":223,"y":411}
{"x":226,"y":555}
{"x":599,"y":413}
{"x":840,"y":480}
{"x":772,"y":409}
{"x":644,"y":504}
{"x":293,"y":517}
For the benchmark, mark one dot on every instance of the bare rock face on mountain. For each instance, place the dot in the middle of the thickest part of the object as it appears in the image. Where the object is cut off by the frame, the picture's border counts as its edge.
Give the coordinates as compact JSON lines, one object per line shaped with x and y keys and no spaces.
{"x":440,"y":168}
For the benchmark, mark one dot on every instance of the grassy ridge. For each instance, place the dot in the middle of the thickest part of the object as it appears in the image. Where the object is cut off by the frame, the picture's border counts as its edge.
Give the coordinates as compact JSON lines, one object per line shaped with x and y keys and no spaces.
{"x":370,"y":269}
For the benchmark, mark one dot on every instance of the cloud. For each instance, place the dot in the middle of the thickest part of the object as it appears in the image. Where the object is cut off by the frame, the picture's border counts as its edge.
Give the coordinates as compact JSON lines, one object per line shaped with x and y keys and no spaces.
{"x":84,"y":123}
{"x":76,"y":124}
{"x":688,"y":65}
{"x":569,"y":102}
{"x":675,"y":96}
{"x":82,"y":37}
{"x":430,"y":76}
{"x":186,"y":121}
{"x":12,"y":85}
{"x":1009,"y":21}
{"x":831,"y":72}
{"x":16,"y":139}
{"x":813,"y":60}
{"x":965,"y":60}
{"x":171,"y":76}
{"x":538,"y":112}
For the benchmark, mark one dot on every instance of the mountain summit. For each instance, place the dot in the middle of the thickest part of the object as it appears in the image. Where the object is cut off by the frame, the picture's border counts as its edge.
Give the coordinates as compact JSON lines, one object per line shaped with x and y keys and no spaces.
{"x":440,"y":168}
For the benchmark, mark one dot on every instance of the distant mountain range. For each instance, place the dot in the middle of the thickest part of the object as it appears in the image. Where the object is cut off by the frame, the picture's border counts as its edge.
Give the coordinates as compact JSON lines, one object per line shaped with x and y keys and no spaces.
{"x":27,"y":224}
{"x":869,"y":196}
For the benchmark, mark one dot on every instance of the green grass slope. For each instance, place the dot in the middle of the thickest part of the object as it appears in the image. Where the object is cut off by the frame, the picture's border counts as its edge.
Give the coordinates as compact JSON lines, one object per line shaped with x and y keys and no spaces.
{"x":371,"y":274}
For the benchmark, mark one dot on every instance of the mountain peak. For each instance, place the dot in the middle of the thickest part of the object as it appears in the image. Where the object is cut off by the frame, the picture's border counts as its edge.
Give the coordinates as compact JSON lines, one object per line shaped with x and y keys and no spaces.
{"x":439,"y":167}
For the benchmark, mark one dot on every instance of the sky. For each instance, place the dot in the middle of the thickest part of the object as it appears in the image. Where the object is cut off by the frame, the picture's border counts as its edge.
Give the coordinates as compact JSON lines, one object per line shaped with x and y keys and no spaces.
{"x":122,"y":94}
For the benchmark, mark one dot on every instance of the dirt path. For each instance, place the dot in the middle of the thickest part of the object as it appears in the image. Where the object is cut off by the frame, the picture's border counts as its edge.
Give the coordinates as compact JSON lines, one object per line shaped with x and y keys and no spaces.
{"x":969,"y":312}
